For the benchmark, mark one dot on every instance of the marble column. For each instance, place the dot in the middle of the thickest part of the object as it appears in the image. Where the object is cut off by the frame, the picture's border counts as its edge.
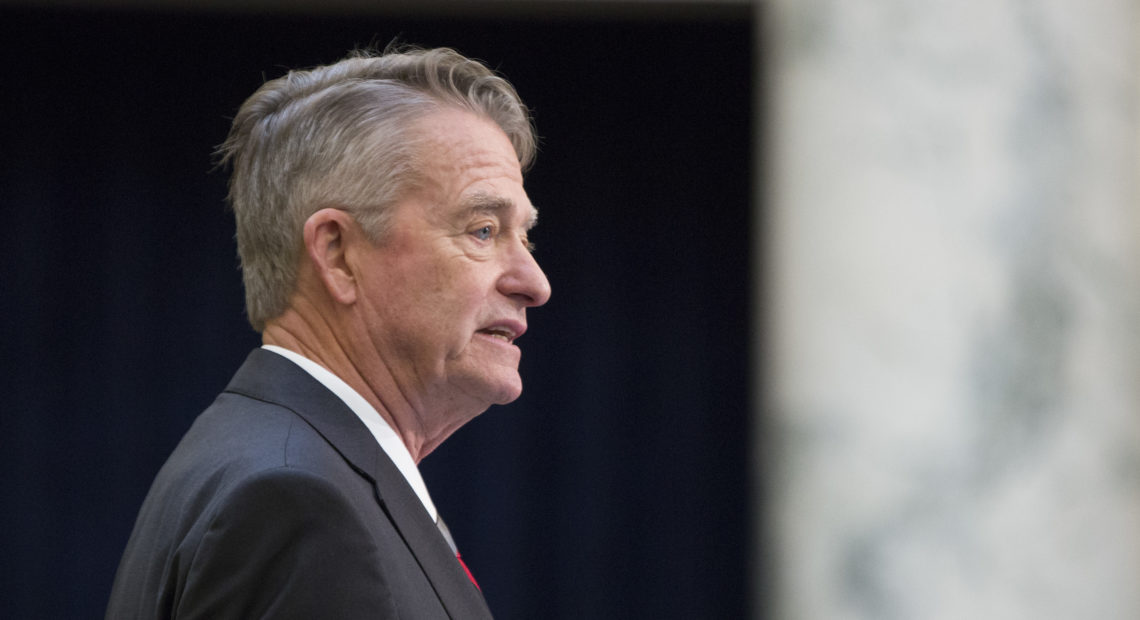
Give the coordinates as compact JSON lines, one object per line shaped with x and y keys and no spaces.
{"x":949,"y":421}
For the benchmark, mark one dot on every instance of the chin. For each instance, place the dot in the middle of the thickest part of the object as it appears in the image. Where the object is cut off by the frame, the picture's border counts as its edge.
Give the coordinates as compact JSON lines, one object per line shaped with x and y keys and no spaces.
{"x":489,"y":386}
{"x":510,"y":396}
{"x":502,"y":390}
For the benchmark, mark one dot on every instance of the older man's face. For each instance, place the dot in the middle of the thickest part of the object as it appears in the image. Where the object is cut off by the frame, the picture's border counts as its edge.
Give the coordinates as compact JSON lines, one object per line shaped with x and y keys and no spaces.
{"x":446,"y":292}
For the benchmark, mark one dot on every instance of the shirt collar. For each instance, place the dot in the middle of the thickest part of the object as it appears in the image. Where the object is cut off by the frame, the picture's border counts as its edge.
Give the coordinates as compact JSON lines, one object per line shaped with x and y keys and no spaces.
{"x":389,"y":441}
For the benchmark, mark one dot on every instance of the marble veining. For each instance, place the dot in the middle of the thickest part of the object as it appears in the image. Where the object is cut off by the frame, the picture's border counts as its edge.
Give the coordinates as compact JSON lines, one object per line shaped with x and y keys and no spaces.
{"x":953,"y":329}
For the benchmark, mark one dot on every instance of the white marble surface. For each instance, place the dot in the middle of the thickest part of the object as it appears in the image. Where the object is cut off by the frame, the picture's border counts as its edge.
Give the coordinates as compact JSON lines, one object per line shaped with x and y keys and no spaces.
{"x":952,"y":411}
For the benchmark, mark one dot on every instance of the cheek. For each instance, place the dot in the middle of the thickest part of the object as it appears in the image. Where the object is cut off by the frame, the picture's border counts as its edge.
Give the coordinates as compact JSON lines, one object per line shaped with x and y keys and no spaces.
{"x":463,"y":291}
{"x":448,"y":297}
{"x":443,"y":309}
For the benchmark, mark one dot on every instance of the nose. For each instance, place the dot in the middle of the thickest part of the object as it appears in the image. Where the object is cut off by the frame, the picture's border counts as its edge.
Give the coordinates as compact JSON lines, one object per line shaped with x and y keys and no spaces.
{"x":524,"y":280}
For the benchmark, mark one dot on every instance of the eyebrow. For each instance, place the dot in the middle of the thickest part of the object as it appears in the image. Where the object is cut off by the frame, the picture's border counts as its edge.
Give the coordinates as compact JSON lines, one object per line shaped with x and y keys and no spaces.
{"x":491,"y":204}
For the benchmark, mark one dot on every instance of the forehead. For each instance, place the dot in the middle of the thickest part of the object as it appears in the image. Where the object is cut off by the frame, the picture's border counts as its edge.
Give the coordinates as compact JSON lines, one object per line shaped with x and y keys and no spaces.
{"x":486,"y":203}
{"x":470,"y":165}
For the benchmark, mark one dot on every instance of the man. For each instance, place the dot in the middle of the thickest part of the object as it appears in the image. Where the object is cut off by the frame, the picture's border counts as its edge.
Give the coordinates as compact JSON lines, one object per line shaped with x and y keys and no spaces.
{"x":382,"y":228}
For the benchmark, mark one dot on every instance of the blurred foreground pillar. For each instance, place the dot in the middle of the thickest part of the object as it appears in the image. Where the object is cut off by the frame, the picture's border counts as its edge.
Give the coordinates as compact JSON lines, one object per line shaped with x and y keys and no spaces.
{"x":951,"y":419}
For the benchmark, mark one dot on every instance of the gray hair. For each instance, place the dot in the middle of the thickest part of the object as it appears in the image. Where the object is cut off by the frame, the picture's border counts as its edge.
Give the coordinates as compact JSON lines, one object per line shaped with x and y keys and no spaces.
{"x":340,"y":136}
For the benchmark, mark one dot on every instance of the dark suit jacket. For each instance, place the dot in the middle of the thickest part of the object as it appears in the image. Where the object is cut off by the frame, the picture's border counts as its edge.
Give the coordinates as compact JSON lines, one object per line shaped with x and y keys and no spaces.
{"x":279,"y":503}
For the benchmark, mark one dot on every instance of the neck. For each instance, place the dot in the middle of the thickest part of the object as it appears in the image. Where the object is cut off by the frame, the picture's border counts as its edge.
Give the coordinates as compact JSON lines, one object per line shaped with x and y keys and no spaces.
{"x":308,"y":333}
{"x":304,"y":329}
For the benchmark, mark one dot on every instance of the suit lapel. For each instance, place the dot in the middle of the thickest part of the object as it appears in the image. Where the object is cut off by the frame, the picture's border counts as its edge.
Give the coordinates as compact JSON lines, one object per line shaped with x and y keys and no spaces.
{"x":270,"y":377}
{"x":455,"y":590}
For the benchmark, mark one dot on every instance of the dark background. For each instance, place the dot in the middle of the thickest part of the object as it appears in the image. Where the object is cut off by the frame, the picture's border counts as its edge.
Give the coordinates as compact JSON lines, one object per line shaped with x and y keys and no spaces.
{"x":616,"y":487}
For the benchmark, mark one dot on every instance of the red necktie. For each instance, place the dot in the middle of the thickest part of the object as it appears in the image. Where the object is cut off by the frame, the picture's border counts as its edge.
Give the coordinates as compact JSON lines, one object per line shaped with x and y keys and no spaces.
{"x":451,"y":543}
{"x":467,"y":570}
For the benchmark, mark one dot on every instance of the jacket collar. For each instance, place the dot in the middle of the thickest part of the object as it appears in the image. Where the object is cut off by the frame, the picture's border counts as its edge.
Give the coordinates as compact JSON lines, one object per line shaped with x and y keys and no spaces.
{"x":272,"y":378}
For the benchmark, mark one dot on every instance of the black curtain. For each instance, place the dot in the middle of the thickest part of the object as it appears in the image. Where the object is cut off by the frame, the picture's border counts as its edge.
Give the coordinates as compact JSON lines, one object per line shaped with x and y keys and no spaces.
{"x":616,"y":487}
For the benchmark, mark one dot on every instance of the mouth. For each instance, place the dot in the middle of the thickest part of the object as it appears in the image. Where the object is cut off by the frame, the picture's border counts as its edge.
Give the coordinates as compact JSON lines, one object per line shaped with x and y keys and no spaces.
{"x":505,"y":332}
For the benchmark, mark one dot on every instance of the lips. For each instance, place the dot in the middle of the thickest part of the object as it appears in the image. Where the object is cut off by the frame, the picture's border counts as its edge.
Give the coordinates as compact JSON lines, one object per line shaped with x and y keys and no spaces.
{"x":507,"y":331}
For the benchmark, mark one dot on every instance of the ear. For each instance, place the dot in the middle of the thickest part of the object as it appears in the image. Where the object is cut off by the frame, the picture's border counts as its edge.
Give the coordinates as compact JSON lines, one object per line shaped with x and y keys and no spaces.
{"x":326,"y":236}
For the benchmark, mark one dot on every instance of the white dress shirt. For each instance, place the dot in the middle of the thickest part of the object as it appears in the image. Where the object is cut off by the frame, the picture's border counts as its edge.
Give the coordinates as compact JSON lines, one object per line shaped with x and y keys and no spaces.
{"x":389,"y":441}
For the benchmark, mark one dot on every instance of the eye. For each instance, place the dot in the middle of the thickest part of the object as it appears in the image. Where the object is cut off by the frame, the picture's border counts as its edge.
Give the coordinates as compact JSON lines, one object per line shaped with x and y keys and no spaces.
{"x":484,"y":233}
